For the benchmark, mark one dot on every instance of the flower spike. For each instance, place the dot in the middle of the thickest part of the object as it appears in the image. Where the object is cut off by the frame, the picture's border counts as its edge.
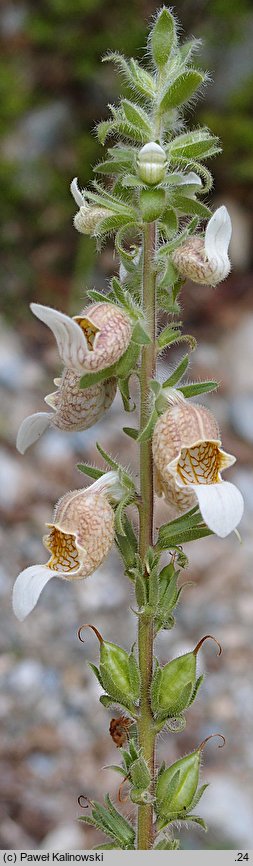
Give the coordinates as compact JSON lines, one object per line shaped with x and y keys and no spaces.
{"x":205,"y":260}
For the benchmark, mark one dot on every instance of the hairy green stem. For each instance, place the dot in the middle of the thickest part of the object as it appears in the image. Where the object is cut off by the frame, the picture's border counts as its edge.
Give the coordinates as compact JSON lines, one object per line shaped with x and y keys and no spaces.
{"x":145,"y":725}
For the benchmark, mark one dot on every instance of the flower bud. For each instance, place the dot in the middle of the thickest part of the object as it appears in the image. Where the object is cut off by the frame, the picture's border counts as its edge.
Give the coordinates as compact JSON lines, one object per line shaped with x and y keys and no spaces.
{"x":151,"y":163}
{"x":92,"y":341}
{"x":188,"y":461}
{"x":118,"y":671}
{"x":176,"y":786}
{"x":73,"y":408}
{"x":205,"y":260}
{"x":174,"y":686}
{"x":88,"y":216}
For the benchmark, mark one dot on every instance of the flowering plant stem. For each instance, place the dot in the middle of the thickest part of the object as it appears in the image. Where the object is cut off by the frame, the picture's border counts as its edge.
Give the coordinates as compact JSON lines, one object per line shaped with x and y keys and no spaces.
{"x":146,"y":630}
{"x":152,"y":203}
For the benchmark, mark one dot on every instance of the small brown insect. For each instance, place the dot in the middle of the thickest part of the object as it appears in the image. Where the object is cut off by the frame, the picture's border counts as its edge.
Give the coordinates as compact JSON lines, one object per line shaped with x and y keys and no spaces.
{"x":119,"y":730}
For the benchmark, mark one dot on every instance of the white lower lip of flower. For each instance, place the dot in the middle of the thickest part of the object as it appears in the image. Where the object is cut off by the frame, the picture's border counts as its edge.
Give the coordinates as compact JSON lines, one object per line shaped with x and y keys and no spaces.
{"x":71,"y":340}
{"x":221,"y":506}
{"x":29,"y":585}
{"x":32,"y":429}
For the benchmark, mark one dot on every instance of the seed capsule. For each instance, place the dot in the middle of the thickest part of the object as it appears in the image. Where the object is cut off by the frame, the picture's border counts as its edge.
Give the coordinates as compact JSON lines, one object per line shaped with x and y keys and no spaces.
{"x":176,"y":786}
{"x":152,"y":162}
{"x":174,"y":685}
{"x":116,"y":670}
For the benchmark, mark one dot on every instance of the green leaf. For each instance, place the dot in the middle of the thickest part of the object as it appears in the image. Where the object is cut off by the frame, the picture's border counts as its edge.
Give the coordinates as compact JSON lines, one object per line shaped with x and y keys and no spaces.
{"x":147,"y":431}
{"x":131,"y":432}
{"x":136,"y":117}
{"x":191,"y":206}
{"x":104,"y":129}
{"x":119,"y":513}
{"x":91,"y":471}
{"x":188,"y":48}
{"x":168,"y":541}
{"x":194,"y":388}
{"x":177,"y":373}
{"x":198,"y":796}
{"x":167,"y":845}
{"x":96,"y":671}
{"x":123,"y":385}
{"x":99,"y":297}
{"x":140,"y":336}
{"x":170,"y":221}
{"x":143,"y":82}
{"x":197,"y":144}
{"x":111,"y":224}
{"x":134,"y":675}
{"x":196,"y":820}
{"x":163,"y":37}
{"x":198,"y":683}
{"x":181,"y":90}
{"x":110,"y":166}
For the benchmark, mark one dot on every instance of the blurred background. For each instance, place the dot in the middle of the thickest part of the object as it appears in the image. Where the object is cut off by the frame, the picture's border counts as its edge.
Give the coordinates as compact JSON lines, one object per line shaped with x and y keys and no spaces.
{"x":54,"y":733}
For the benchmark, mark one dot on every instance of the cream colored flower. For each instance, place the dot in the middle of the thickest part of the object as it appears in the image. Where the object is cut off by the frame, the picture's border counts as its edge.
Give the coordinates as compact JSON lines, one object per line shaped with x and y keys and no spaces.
{"x":88,"y":216}
{"x":92,"y":341}
{"x":80,"y":537}
{"x":74,"y":408}
{"x":205,"y":260}
{"x":188,"y":461}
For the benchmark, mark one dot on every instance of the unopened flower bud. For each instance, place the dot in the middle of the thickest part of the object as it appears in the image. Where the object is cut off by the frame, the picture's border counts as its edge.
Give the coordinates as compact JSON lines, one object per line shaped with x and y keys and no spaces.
{"x":118,"y":671}
{"x":92,"y":341}
{"x":80,"y":537}
{"x":188,"y":461}
{"x":205,"y":260}
{"x":88,"y":216}
{"x":174,"y":686}
{"x":152,"y":162}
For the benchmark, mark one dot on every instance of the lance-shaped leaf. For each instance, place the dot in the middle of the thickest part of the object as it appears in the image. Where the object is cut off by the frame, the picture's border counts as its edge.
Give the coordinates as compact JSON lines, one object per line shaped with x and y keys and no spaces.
{"x":177,"y":373}
{"x":181,"y":90}
{"x":194,"y":388}
{"x":197,"y":144}
{"x":137,"y":117}
{"x":163,"y":37}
